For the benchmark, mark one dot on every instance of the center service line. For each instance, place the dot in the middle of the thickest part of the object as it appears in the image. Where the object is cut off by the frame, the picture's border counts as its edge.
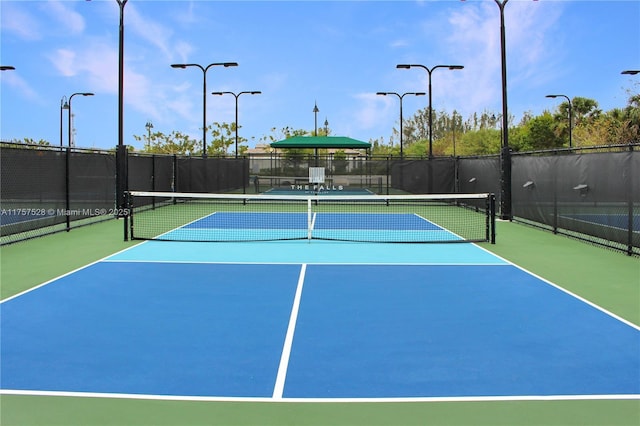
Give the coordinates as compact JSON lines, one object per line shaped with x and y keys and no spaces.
{"x":288,"y":340}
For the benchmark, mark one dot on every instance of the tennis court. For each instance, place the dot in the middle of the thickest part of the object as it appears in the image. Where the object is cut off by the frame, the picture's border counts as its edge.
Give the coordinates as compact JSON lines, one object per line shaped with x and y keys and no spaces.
{"x":312,"y":320}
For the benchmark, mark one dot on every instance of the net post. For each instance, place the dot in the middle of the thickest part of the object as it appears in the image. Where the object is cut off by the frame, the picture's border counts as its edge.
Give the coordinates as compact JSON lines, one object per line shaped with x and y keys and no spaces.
{"x":127,"y":216}
{"x":309,"y":218}
{"x":492,"y":219}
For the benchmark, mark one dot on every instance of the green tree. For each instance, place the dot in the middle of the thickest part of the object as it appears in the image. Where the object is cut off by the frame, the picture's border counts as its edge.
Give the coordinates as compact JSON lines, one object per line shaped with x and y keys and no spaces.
{"x":174,"y":143}
{"x":31,"y":141}
{"x":480,"y":142}
{"x":223,"y":137}
{"x":538,"y":133}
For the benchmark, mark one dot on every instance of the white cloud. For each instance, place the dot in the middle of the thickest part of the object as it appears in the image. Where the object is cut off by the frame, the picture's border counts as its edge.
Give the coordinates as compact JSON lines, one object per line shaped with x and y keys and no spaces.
{"x":151,"y":31}
{"x":95,"y":62}
{"x":17,"y":21}
{"x":400,"y":43}
{"x":14,"y":80}
{"x":474,"y":39}
{"x":370,"y":113}
{"x":65,"y":16}
{"x":64,"y":60}
{"x":183,"y":51}
{"x":188,"y":16}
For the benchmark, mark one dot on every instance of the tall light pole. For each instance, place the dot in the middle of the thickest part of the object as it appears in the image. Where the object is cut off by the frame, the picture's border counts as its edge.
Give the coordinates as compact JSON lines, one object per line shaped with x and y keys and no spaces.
{"x":149,"y":126}
{"x":121,"y":4}
{"x":121,"y":152}
{"x":64,"y":104}
{"x":401,"y":97}
{"x":204,"y":95}
{"x":570,"y":114}
{"x":252,"y":92}
{"x":315,"y":114}
{"x":454,"y":132}
{"x":69,"y":105}
{"x":429,"y":71}
{"x":505,"y":153}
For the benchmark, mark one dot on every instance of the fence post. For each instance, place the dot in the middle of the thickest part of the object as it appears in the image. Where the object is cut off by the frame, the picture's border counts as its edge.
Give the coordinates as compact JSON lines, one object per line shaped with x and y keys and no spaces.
{"x":67,"y":186}
{"x":505,"y":183}
{"x":122,"y":186}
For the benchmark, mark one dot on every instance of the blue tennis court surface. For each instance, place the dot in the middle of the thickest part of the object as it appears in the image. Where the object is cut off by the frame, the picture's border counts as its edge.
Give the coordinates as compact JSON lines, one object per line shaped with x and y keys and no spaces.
{"x":612,"y":220}
{"x":264,"y":226}
{"x":319,"y":320}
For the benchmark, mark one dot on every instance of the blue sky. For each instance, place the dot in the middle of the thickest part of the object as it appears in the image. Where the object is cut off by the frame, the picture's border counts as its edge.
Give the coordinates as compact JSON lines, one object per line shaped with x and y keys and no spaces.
{"x":335,"y":53}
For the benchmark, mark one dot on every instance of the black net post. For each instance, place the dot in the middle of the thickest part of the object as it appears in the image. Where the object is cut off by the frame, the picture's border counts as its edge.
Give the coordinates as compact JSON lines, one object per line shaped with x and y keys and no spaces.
{"x":492,"y":218}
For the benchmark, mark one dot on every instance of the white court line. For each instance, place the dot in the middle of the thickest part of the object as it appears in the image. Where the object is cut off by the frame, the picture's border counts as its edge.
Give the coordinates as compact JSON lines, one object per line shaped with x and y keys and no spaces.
{"x":433,"y":399}
{"x":276,"y":262}
{"x":29,"y":290}
{"x":288,"y":341}
{"x":564,"y":290}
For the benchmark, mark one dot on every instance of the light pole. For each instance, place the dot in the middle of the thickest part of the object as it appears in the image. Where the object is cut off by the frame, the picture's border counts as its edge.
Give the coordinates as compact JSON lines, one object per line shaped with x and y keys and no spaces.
{"x":121,"y":152}
{"x":69,"y":105}
{"x":429,"y":71}
{"x":454,"y":132}
{"x":149,"y":126}
{"x":64,"y":104}
{"x":251,"y":92}
{"x":505,"y":153}
{"x":315,"y":114}
{"x":204,"y":95}
{"x":570,"y":114}
{"x":401,"y":97}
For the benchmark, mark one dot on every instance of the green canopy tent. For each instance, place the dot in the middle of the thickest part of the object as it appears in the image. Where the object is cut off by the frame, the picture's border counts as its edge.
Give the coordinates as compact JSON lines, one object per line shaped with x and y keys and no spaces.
{"x":321,"y":142}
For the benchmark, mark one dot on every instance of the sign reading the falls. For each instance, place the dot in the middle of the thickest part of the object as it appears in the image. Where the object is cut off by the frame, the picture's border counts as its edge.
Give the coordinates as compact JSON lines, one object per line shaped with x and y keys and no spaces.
{"x":317,"y":187}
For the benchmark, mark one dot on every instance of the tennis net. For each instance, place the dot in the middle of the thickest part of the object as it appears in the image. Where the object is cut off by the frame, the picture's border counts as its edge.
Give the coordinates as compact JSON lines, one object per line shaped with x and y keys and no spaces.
{"x":366,"y":218}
